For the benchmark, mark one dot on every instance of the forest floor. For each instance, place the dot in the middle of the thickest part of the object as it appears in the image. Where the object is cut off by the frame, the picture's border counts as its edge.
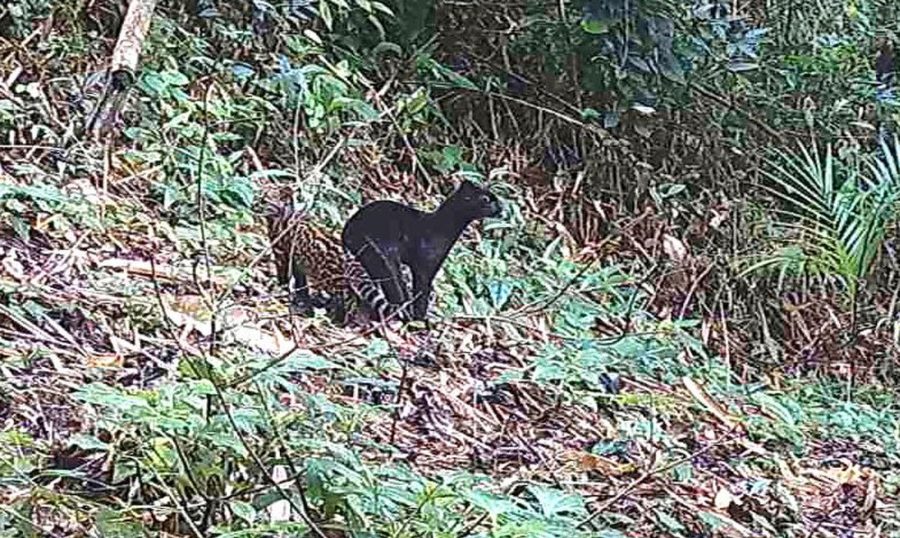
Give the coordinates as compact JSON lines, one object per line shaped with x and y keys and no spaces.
{"x":544,"y":365}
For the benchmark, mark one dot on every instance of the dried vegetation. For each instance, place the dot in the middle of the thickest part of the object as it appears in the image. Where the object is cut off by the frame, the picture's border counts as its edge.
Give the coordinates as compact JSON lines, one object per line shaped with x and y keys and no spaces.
{"x":731,"y":417}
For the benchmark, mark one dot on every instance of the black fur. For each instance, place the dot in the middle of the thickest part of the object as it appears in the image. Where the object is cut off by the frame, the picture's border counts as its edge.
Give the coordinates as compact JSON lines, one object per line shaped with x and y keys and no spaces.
{"x":885,"y":68}
{"x":884,"y":64}
{"x":386,"y":235}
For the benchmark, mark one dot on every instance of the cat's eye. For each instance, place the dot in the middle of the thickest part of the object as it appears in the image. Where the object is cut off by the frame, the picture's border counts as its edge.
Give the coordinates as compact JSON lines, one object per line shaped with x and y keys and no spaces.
{"x":485,"y":199}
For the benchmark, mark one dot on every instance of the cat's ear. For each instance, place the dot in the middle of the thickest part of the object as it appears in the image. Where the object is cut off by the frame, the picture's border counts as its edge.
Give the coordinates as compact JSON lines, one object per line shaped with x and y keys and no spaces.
{"x":466,"y":185}
{"x":450,"y":187}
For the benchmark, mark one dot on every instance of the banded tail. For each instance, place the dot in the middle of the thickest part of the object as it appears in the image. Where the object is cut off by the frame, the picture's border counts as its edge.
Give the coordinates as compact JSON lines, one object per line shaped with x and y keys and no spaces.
{"x":369,"y":291}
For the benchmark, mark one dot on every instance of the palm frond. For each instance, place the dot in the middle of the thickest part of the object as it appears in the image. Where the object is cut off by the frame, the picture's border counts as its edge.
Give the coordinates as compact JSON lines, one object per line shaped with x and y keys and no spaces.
{"x":839,"y":225}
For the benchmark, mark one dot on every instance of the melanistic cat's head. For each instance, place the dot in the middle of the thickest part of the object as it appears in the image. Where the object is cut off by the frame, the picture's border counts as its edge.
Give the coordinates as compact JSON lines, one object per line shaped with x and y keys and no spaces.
{"x":475,"y":202}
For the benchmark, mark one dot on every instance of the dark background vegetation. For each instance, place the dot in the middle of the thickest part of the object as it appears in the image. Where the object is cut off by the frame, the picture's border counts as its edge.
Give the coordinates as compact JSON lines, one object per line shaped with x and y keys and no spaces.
{"x":684,"y":324}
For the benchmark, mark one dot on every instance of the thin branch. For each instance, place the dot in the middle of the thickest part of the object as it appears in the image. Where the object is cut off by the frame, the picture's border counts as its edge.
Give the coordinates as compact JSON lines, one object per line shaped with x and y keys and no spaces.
{"x":652,"y":472}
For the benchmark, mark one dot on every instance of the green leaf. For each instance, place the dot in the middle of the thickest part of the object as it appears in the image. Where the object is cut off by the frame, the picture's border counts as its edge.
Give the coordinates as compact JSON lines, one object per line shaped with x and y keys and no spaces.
{"x":88,"y":442}
{"x":500,"y":291}
{"x":595,"y":26}
{"x":461,"y":82}
{"x":740,"y":67}
{"x":385,"y":47}
{"x":228,"y":441}
{"x":326,"y":15}
{"x":590,"y":114}
{"x":547,"y":370}
{"x":152,"y":83}
{"x":309,"y":361}
{"x":668,"y":522}
{"x":114,"y":524}
{"x":243,"y":510}
{"x":383,"y":8}
{"x":416,"y":103}
{"x":495,"y":505}
{"x":21,"y":227}
{"x":373,"y":20}
{"x":555,"y":503}
{"x":774,"y":407}
{"x":313,"y":36}
{"x":713,"y":520}
{"x":106,"y":396}
{"x":175,"y":78}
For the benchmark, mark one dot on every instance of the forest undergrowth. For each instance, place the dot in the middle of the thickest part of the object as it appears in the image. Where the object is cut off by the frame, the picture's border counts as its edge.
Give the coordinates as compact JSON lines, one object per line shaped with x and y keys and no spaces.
{"x":595,"y":365}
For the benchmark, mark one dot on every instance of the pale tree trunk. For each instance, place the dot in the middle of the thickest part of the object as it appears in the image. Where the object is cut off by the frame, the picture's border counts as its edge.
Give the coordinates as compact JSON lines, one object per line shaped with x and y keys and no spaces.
{"x":123,"y":66}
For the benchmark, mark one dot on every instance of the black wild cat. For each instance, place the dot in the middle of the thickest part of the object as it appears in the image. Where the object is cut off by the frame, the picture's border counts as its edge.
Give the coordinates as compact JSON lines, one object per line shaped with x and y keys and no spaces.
{"x":385,"y":235}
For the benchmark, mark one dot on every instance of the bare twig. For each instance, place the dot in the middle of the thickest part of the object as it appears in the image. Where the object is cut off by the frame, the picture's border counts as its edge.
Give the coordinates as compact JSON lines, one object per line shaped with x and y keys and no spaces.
{"x":652,"y":472}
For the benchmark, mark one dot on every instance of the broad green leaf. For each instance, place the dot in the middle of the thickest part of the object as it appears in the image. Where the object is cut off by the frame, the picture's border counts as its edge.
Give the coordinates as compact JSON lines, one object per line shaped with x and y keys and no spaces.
{"x":595,"y":26}
{"x":555,"y":503}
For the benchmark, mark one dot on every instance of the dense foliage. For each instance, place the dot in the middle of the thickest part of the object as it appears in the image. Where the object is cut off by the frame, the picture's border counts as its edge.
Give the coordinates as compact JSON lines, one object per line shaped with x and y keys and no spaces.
{"x":684,"y":324}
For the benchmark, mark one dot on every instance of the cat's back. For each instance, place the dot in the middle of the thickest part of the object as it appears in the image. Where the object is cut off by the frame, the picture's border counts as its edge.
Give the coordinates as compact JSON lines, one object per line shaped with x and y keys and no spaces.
{"x":383,"y":219}
{"x":385,"y":209}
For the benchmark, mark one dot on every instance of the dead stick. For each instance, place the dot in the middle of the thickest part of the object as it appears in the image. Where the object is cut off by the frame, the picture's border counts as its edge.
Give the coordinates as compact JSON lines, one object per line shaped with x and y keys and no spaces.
{"x":123,"y":65}
{"x":638,"y":481}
